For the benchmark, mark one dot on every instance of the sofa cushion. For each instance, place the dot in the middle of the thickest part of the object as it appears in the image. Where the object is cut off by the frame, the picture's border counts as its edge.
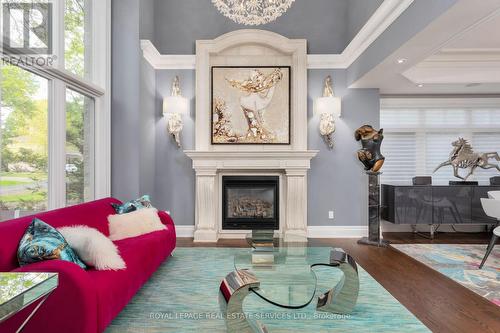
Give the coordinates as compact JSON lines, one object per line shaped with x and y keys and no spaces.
{"x":132,"y":205}
{"x":142,"y":255}
{"x":93,"y":247}
{"x":42,"y":242}
{"x":94,"y":214}
{"x":134,"y":224}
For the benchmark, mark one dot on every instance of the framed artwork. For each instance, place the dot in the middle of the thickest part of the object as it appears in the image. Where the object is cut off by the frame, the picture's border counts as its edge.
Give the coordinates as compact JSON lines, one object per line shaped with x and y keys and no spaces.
{"x":251,"y":105}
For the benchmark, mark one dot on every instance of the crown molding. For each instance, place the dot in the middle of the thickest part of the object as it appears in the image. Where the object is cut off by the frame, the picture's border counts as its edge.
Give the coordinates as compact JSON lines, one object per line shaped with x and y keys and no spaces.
{"x":164,"y":61}
{"x":381,"y":19}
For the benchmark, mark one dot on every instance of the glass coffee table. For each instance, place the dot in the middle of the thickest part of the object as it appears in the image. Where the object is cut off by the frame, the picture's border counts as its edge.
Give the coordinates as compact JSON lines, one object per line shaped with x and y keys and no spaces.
{"x":280,"y":271}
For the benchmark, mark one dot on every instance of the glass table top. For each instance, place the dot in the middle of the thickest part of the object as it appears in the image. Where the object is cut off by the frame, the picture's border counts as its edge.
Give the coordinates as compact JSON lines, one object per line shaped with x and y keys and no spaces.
{"x":282,"y":266}
{"x":18,"y":290}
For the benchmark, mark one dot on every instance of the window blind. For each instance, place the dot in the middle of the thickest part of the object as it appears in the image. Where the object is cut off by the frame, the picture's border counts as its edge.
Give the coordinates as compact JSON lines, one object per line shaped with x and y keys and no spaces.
{"x":419,"y":132}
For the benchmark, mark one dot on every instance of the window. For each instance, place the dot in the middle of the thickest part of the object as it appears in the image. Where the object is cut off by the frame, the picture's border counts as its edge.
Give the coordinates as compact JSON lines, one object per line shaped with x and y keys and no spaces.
{"x":419,"y":132}
{"x":55,"y":117}
{"x":23,"y":142}
{"x":77,"y":37}
{"x":79,"y":165}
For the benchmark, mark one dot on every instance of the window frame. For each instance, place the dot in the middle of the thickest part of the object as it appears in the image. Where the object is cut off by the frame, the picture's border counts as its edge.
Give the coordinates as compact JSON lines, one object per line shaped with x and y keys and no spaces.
{"x":98,"y":87}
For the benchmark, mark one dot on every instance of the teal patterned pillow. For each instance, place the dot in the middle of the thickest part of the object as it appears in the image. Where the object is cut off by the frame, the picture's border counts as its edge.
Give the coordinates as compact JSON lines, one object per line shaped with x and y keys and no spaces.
{"x":42,"y":242}
{"x":130,"y":206}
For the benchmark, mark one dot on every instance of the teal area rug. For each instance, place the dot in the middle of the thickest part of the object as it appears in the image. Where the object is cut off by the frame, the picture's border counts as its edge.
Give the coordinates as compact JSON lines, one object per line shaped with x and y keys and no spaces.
{"x":460,"y":262}
{"x":182,"y":296}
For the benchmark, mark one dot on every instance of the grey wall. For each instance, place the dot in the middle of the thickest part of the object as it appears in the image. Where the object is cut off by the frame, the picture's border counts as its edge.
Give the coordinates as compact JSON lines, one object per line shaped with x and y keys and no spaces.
{"x":148,"y":115}
{"x":179,"y":23}
{"x":144,"y":157}
{"x":133,"y":102}
{"x":174,"y":175}
{"x":146,"y":20}
{"x":125,"y":99}
{"x":146,"y":160}
{"x":358,"y":12}
{"x":336,"y":180}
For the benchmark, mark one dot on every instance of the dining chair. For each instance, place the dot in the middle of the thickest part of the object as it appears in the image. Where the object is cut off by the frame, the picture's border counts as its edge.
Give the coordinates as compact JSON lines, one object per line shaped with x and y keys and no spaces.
{"x":492,"y":209}
{"x":494,"y":195}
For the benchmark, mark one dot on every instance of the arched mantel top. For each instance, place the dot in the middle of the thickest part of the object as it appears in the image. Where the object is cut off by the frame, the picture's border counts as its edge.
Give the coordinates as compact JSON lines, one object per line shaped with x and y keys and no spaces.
{"x":250,"y":47}
{"x":253,"y":36}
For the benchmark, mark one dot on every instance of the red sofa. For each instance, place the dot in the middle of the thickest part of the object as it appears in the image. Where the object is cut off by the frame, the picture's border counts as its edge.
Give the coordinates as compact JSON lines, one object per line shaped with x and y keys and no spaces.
{"x":86,"y":301}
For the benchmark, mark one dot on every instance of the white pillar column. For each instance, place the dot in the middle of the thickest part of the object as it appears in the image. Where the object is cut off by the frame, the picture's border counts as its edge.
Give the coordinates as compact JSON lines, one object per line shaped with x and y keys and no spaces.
{"x":206,"y":206}
{"x":296,"y":207}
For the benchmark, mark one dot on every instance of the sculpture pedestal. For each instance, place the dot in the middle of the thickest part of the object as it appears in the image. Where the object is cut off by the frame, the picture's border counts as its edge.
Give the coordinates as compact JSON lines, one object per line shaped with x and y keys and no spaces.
{"x":373,"y":212}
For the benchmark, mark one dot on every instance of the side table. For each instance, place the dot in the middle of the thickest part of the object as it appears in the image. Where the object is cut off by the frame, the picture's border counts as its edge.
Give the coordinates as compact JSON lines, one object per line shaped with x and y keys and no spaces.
{"x":19,"y":290}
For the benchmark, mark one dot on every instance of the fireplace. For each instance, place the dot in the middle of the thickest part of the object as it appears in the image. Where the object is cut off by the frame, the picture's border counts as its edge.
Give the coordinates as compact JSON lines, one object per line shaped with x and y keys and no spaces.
{"x":250,"y":202}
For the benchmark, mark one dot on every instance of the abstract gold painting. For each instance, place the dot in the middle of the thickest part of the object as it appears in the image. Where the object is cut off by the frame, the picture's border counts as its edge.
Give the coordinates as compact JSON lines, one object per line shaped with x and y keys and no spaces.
{"x":251,"y":105}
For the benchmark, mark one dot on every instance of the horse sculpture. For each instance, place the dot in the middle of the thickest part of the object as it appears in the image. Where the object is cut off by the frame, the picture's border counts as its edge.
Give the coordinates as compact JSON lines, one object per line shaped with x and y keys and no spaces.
{"x":463,"y":156}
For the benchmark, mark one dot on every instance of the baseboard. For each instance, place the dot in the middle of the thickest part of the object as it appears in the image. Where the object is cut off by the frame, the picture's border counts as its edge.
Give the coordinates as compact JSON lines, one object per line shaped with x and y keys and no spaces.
{"x":187,"y":231}
{"x":184,"y":231}
{"x":337,"y":231}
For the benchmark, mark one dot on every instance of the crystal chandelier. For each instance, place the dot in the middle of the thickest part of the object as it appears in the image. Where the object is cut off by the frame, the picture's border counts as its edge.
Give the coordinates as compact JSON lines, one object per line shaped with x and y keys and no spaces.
{"x":252,"y":12}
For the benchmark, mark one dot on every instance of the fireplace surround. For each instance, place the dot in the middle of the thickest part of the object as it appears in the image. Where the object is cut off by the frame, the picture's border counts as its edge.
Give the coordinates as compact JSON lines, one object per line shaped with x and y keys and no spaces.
{"x":250,"y":202}
{"x":291,"y":163}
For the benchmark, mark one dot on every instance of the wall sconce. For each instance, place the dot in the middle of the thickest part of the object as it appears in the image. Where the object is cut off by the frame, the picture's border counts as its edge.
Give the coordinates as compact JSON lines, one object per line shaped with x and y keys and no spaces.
{"x":174,"y":106}
{"x":328,"y":108}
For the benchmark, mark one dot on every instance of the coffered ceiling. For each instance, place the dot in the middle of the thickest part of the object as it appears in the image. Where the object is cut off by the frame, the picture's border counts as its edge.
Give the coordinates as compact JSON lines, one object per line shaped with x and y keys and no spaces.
{"x":459,"y":53}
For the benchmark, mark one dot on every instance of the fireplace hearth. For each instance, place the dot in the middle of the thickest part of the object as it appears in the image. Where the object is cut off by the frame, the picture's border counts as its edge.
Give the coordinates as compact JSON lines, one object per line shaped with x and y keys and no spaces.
{"x":250,"y":202}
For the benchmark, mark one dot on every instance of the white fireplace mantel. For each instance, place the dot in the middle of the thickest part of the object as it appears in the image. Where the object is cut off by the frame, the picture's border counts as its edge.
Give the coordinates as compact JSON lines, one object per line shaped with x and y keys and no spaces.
{"x":292,"y":166}
{"x":251,"y":160}
{"x":250,"y":47}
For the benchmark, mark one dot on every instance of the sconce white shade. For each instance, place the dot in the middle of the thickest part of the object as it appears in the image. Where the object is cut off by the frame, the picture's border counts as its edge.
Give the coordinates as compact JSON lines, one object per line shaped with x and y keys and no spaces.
{"x":175,"y":104}
{"x":331,"y":105}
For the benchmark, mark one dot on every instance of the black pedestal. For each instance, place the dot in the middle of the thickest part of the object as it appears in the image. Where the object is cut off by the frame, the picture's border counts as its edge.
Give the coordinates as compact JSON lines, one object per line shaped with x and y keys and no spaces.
{"x":373,"y":212}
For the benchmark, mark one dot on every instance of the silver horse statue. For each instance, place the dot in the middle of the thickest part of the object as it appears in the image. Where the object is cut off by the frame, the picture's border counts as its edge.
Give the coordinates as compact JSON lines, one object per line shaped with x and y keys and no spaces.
{"x":463,"y":156}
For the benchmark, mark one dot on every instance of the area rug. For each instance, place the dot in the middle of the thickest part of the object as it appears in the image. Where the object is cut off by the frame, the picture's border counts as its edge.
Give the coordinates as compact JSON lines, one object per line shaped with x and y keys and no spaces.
{"x":460,"y":262}
{"x":182,"y":296}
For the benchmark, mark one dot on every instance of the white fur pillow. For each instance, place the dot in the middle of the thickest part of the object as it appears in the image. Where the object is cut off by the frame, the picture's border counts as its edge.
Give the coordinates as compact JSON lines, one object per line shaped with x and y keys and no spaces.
{"x":136,"y":223}
{"x":93,"y":247}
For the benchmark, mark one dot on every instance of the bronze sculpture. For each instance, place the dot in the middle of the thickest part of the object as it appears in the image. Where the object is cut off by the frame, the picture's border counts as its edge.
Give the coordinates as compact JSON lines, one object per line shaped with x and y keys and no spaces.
{"x":370,"y":154}
{"x":463,"y":156}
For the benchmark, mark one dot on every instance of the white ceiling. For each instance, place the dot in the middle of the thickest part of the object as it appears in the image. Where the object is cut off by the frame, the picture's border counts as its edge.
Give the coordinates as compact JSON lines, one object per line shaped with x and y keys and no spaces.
{"x":485,"y":36}
{"x":459,"y":53}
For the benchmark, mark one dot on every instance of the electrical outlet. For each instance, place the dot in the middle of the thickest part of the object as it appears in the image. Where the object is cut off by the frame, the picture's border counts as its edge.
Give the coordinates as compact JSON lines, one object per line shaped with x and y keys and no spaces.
{"x":330,"y":215}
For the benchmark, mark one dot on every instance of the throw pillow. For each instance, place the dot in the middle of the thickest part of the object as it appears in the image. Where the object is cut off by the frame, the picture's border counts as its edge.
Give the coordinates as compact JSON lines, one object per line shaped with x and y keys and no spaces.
{"x":134,"y":224}
{"x":93,"y":247}
{"x":132,"y":205}
{"x":43,"y":242}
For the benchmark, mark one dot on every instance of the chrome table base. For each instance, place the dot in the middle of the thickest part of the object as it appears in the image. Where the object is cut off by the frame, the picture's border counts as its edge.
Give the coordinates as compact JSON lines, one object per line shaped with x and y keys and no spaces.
{"x":341,"y":299}
{"x":233,"y":290}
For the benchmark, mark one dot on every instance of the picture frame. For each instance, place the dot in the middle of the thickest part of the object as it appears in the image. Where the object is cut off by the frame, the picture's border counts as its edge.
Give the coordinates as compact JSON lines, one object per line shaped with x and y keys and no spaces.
{"x":251,"y":105}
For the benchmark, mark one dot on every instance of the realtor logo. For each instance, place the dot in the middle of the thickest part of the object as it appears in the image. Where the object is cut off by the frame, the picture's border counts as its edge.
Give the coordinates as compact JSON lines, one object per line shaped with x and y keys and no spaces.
{"x":27,"y":28}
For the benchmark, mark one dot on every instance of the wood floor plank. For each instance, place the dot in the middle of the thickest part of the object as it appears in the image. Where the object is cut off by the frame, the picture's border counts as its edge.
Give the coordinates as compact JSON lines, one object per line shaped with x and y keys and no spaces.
{"x":442,"y":304}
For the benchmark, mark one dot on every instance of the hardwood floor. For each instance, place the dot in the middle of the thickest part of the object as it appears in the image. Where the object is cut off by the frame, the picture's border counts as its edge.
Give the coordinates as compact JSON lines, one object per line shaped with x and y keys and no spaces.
{"x":439,"y":302}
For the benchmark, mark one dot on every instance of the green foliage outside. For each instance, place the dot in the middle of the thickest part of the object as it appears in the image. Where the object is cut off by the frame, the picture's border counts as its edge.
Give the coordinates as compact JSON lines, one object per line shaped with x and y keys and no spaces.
{"x":24,"y":127}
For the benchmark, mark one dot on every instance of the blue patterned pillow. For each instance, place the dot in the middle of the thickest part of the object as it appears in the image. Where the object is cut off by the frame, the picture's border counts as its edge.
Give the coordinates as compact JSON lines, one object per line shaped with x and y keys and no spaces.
{"x":130,"y":206}
{"x":42,"y":242}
